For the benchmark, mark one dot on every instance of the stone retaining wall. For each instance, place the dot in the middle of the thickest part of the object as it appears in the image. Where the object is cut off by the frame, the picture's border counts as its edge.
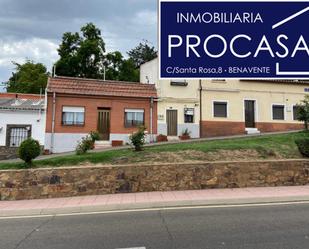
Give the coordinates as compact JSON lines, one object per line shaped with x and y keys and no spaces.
{"x":62,"y":182}
{"x":8,"y":152}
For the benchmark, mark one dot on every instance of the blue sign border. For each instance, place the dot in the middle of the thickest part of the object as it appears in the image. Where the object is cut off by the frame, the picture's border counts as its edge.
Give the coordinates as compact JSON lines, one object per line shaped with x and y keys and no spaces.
{"x":285,"y":76}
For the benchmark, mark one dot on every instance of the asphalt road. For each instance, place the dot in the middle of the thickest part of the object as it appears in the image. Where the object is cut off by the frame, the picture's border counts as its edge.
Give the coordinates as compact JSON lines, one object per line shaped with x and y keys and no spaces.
{"x":264,"y":227}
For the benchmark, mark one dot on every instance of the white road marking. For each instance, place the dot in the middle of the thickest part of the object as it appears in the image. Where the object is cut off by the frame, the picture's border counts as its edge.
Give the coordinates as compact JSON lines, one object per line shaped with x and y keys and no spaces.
{"x":159,"y":209}
{"x":133,"y":248}
{"x":290,"y":17}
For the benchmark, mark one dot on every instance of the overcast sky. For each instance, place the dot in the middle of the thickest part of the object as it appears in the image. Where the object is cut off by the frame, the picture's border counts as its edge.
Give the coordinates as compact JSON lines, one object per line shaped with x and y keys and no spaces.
{"x":32,"y":29}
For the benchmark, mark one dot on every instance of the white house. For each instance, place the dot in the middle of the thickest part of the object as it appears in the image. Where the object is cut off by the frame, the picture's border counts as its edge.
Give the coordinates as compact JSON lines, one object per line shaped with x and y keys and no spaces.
{"x":21,"y":116}
{"x":178,"y":102}
{"x":219,"y":107}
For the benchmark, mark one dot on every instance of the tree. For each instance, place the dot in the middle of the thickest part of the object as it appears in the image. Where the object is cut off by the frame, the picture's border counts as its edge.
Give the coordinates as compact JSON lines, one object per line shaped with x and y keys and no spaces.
{"x":303,"y":111}
{"x":29,"y":77}
{"x":82,"y":55}
{"x":128,"y":71}
{"x":142,"y":53}
{"x":118,"y":68}
{"x":113,"y":63}
{"x":68,"y":64}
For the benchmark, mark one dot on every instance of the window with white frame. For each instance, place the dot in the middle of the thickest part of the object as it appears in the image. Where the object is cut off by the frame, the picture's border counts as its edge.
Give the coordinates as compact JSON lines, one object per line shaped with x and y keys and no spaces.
{"x":73,"y":115}
{"x":189,"y":115}
{"x":278,"y":112}
{"x":133,"y":117}
{"x":220,"y":109}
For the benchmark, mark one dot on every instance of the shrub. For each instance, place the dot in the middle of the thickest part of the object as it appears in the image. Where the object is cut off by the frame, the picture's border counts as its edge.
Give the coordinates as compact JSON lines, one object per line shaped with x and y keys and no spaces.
{"x":303,"y":146}
{"x":138,"y":138}
{"x":84,"y":145}
{"x":29,"y":150}
{"x":303,"y":112}
{"x":94,"y":135}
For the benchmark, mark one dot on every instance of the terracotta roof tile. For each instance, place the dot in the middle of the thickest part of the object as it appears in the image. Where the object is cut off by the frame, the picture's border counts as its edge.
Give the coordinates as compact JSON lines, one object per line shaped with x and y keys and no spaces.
{"x":83,"y":86}
{"x":20,"y":96}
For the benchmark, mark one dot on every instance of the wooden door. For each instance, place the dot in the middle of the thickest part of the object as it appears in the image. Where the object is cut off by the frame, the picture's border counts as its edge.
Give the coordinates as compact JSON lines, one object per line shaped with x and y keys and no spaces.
{"x":250,"y":113}
{"x":171,"y":120}
{"x":104,"y":124}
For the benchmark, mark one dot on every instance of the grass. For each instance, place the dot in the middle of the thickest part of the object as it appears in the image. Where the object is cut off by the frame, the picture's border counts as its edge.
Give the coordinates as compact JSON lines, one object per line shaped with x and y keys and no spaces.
{"x":282,"y":145}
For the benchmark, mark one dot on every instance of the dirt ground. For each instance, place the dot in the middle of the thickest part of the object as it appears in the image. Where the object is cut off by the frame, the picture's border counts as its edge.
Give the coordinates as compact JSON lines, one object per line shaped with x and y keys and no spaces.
{"x":195,"y":156}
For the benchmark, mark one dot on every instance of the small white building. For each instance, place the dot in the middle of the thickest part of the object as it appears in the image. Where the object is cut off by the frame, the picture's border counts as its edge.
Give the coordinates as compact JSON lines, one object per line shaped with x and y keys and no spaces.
{"x":21,"y":116}
{"x":178,"y":102}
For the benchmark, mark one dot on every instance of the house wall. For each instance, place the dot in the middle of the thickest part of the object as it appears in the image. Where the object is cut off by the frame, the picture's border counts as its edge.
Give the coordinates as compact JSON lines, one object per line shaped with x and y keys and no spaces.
{"x":32,"y":118}
{"x":232,"y":91}
{"x":264,"y":94}
{"x":174,"y":98}
{"x":67,"y":137}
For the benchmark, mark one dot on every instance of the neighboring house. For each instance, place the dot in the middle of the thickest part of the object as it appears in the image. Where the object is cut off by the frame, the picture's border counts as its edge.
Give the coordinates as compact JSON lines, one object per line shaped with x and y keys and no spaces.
{"x":21,"y":116}
{"x":115,"y":109}
{"x":178,"y":102}
{"x":227,"y":107}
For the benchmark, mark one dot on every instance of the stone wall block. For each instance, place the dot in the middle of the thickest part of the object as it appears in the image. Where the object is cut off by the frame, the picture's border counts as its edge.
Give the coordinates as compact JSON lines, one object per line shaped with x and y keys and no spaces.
{"x":96,"y":180}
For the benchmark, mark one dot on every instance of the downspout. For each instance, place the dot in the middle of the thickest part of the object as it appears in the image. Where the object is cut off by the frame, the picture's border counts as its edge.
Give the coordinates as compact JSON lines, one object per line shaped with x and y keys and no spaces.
{"x":53,"y":123}
{"x":151,"y":119}
{"x":40,"y":109}
{"x":201,"y":89}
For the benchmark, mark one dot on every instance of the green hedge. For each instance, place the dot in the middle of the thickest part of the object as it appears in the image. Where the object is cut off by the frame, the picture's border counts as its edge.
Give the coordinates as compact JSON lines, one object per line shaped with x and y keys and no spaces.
{"x":303,"y":146}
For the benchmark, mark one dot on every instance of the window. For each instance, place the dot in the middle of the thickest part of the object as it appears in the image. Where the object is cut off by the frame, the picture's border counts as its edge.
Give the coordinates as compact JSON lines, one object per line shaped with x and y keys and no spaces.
{"x":295,"y":112}
{"x":278,"y":112}
{"x":134,"y":117}
{"x":220,"y":109}
{"x":189,"y":115}
{"x":179,"y":82}
{"x":16,"y":134}
{"x":218,"y":80}
{"x":73,"y":115}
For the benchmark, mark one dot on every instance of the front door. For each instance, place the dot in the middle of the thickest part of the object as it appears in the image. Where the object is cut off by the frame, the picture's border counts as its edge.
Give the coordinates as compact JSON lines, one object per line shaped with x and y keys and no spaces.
{"x":104,"y":123}
{"x":171,"y":120}
{"x":250,"y":113}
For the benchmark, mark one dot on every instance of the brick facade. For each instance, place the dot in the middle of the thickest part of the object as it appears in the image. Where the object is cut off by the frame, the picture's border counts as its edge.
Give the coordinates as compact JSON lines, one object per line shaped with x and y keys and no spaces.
{"x":228,"y":128}
{"x":221,"y":128}
{"x":272,"y":127}
{"x":117,"y":107}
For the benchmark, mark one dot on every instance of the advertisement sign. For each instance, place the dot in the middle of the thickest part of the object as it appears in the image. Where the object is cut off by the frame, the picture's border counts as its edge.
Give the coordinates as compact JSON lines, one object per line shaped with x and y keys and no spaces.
{"x":234,"y":39}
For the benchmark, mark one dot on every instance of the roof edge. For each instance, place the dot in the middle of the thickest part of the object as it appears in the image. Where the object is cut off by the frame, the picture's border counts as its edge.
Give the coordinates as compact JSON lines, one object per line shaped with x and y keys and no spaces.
{"x":95,"y":80}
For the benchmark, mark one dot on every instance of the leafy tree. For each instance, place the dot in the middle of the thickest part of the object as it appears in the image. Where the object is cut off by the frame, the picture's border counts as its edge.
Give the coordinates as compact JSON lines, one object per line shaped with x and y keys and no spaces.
{"x":128,"y":71}
{"x":29,"y":77}
{"x":118,"y":68}
{"x":82,"y":55}
{"x":113,"y":63}
{"x":142,"y":53}
{"x":303,"y":111}
{"x":68,"y":64}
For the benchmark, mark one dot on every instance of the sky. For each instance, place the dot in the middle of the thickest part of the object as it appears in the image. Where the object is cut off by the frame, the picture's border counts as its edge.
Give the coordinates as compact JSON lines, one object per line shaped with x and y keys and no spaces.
{"x":32,"y":29}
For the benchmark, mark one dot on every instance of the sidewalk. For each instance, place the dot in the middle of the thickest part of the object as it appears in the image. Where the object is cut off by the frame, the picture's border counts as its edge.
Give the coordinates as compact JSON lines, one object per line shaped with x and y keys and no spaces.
{"x":131,"y":201}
